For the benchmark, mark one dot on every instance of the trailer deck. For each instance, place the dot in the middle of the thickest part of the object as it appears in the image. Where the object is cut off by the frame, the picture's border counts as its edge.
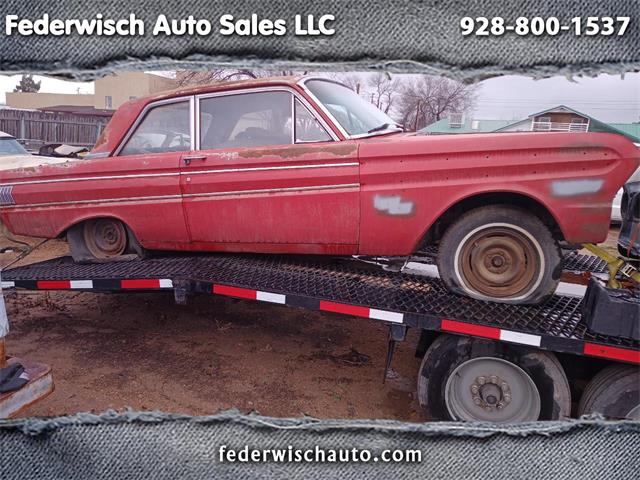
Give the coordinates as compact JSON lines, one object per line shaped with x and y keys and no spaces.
{"x":341,"y":286}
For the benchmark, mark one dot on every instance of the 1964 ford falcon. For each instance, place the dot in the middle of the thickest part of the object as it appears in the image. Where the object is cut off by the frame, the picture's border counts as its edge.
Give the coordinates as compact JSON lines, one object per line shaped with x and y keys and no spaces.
{"x":306,"y":166}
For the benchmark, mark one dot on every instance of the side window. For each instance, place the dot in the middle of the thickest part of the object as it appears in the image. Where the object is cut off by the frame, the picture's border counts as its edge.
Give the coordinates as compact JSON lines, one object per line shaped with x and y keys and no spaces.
{"x":308,"y":129}
{"x":246,"y":120}
{"x":165,"y":128}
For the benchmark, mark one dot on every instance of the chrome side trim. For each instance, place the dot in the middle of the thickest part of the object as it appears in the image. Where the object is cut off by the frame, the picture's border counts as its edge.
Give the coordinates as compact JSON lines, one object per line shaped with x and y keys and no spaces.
{"x":90,"y":202}
{"x":273,"y":190}
{"x":191,"y":195}
{"x":192,"y":122}
{"x":175,"y":174}
{"x":293,"y":120}
{"x":86,"y":179}
{"x":261,"y":169}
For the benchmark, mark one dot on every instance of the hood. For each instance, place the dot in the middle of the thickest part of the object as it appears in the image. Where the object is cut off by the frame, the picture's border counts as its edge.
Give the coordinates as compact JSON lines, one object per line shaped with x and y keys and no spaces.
{"x":18,"y":162}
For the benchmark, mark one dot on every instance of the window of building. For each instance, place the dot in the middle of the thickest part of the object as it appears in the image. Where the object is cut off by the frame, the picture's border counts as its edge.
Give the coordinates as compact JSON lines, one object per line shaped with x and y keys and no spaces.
{"x":165,"y":128}
{"x":108,"y":101}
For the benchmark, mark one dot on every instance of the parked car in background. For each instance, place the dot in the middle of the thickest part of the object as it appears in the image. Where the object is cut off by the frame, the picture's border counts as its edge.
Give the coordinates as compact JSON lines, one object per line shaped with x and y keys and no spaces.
{"x":616,"y":213}
{"x":9,"y":146}
{"x":306,"y":166}
{"x":616,"y":208}
{"x":629,"y":238}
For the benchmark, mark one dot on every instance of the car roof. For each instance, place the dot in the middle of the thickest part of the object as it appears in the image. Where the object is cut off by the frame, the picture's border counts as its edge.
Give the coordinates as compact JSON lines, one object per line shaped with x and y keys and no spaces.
{"x":6,"y":135}
{"x":219,"y":87}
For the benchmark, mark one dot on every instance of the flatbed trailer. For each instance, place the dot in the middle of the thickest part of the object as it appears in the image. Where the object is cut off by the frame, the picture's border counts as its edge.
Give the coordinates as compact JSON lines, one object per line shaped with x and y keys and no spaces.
{"x":349,"y":287}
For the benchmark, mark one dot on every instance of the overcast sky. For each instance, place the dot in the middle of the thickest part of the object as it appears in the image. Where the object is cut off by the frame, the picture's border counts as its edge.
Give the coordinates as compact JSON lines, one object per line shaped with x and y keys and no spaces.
{"x":609,"y":98}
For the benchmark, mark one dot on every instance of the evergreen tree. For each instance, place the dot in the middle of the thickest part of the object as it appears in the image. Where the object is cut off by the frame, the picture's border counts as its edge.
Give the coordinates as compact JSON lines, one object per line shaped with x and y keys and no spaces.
{"x":27,"y":84}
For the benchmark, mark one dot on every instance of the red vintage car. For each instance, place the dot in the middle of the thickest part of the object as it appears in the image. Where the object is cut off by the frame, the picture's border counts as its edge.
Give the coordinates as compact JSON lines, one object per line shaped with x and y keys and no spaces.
{"x":306,"y":166}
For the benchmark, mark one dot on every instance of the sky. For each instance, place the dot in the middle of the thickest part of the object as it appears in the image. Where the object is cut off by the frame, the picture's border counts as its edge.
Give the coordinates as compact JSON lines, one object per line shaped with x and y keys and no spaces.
{"x":609,"y":98}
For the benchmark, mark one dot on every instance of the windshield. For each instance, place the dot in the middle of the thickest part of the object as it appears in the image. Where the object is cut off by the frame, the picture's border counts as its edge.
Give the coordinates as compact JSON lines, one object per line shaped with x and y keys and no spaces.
{"x":353,"y":113}
{"x":10,"y":146}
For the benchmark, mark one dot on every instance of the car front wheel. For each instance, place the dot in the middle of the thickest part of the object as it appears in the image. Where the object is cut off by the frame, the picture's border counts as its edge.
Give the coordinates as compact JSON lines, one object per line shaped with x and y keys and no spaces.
{"x":502,"y":254}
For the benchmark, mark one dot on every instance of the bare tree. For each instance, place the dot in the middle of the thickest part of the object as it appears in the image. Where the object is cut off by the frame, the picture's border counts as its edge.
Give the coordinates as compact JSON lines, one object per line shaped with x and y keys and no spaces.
{"x":427,"y":99}
{"x":383,"y":91}
{"x":351,"y":80}
{"x":194,"y":77}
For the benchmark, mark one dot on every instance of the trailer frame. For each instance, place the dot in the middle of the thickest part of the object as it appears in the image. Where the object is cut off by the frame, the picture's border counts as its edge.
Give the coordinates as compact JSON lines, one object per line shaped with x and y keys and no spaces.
{"x":343,"y":286}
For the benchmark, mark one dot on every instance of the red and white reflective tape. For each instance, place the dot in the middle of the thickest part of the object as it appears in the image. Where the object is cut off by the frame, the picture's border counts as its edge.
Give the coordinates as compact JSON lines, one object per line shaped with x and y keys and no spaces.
{"x":131,"y":284}
{"x":358,"y":311}
{"x":493,"y":333}
{"x":324,"y":305}
{"x":146,"y":283}
{"x":64,"y":284}
{"x":250,"y":294}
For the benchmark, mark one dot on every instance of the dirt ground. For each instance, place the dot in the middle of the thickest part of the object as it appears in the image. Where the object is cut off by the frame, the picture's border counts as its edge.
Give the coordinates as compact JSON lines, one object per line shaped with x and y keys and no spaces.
{"x":112,"y":351}
{"x":145,"y":352}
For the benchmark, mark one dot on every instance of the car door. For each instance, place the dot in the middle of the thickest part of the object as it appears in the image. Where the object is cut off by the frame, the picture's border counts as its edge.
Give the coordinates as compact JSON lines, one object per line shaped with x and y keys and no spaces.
{"x":150,"y":159}
{"x":269,"y":177}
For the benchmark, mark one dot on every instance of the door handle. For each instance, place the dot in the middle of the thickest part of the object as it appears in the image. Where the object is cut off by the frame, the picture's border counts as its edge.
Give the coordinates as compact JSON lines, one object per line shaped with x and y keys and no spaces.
{"x":189,"y":158}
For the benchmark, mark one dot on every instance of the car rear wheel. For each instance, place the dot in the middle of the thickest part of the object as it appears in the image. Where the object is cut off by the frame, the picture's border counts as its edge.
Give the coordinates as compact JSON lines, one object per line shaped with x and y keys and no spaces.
{"x":102,"y":239}
{"x":470,"y":379}
{"x":502,"y":254}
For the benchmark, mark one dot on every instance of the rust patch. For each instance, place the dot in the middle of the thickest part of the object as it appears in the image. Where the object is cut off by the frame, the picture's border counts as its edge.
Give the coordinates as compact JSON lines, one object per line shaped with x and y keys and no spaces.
{"x":294,"y":151}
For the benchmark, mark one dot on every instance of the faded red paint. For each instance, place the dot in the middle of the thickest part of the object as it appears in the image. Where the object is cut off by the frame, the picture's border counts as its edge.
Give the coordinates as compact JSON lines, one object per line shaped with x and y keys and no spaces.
{"x":399,"y":185}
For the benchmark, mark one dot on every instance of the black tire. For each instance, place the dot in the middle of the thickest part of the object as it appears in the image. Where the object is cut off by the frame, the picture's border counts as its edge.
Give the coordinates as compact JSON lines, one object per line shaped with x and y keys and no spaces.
{"x":614,"y":393}
{"x":529,"y":260}
{"x":84,"y":252}
{"x":449,"y":352}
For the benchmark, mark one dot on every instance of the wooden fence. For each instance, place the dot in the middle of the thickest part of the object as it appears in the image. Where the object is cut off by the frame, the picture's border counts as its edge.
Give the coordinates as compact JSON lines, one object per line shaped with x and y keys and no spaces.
{"x":34,"y":128}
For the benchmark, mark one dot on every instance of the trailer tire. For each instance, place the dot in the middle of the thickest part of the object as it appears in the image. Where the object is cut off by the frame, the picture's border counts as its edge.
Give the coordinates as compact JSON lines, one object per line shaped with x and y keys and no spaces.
{"x":614,"y":392}
{"x":530,"y":384}
{"x":502,"y":254}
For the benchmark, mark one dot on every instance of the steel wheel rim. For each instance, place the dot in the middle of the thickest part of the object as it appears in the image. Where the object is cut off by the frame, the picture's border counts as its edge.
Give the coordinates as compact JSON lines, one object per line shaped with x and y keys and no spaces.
{"x":493,"y":390}
{"x":500,"y":261}
{"x":105,"y":238}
